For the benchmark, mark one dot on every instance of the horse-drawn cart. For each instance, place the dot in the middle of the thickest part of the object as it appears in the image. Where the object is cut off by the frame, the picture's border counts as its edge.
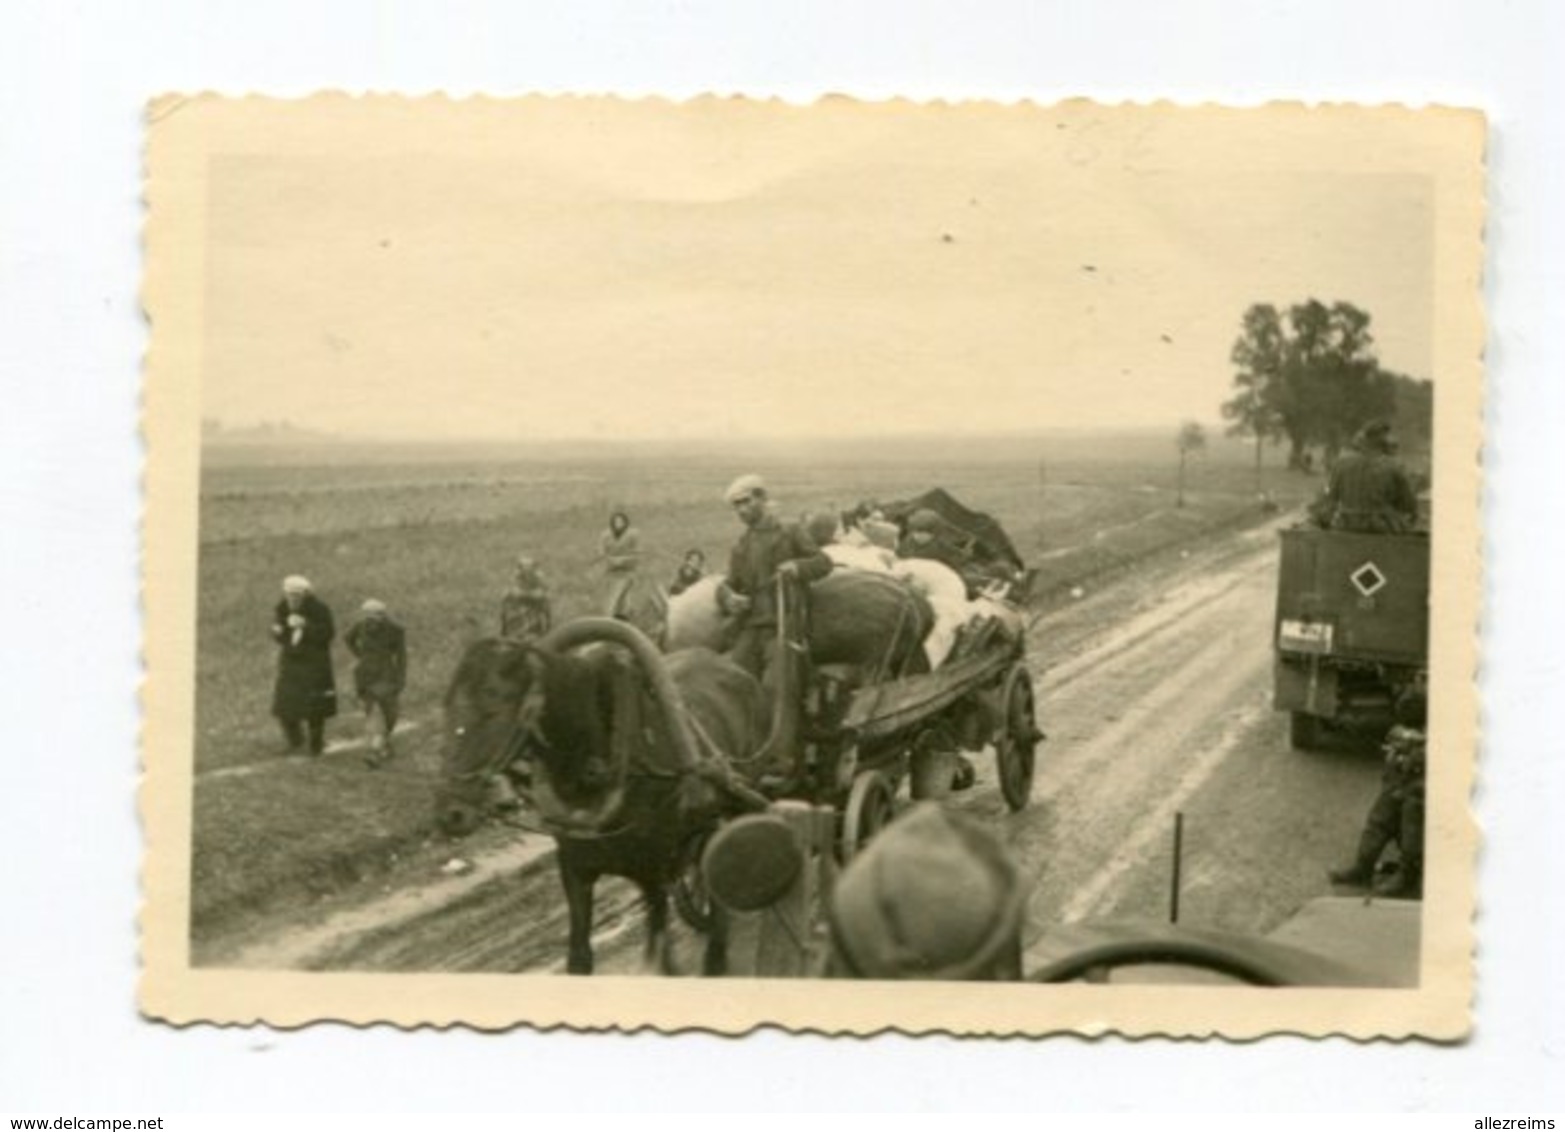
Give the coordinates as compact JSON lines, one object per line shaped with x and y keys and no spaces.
{"x":857,"y":739}
{"x":634,"y":757}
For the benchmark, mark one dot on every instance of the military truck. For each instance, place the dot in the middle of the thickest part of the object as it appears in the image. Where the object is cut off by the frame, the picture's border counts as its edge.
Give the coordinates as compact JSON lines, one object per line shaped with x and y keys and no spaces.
{"x":1352,"y":629}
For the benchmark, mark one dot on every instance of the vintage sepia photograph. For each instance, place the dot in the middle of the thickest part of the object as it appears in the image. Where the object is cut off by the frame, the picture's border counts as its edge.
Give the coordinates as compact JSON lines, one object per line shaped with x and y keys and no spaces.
{"x":946,"y":567}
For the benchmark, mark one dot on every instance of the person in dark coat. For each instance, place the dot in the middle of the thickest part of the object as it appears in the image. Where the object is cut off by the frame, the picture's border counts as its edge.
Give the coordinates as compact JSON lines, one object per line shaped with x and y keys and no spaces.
{"x":1369,"y":489}
{"x":380,"y":672}
{"x":305,"y":695}
{"x":767,"y":550}
{"x":526,"y":610}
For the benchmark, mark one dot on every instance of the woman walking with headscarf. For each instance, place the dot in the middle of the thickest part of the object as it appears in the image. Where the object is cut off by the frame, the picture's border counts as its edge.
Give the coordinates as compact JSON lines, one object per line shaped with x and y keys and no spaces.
{"x":620,"y":550}
{"x":305,"y":695}
{"x":380,"y":672}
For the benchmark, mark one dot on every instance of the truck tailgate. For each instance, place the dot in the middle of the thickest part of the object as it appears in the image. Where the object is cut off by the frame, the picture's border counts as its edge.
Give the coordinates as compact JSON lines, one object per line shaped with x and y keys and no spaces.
{"x":1372,"y":590}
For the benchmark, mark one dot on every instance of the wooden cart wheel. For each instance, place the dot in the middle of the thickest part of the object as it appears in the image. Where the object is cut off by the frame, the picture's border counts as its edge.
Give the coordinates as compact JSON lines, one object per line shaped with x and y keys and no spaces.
{"x":1016,"y":739}
{"x":871,"y":806}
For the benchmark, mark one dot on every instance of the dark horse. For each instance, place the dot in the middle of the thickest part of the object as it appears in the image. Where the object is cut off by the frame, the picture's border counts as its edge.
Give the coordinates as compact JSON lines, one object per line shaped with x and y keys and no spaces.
{"x":628,"y":754}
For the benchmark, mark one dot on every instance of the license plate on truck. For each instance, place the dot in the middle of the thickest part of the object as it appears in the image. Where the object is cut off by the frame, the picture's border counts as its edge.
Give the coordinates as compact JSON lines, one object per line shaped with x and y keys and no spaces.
{"x":1304,"y":636}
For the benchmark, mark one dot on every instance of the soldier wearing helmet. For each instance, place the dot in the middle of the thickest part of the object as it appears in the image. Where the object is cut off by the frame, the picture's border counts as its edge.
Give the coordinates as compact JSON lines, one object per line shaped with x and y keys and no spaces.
{"x":1369,"y":489}
{"x":934,"y":896}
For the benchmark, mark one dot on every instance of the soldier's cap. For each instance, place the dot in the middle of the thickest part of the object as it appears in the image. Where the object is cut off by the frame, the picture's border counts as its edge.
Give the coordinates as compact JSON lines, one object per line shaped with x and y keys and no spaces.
{"x":934,"y":896}
{"x":296,"y":584}
{"x":525,"y":562}
{"x":923,"y":520}
{"x":373,"y":605}
{"x":744,"y":487}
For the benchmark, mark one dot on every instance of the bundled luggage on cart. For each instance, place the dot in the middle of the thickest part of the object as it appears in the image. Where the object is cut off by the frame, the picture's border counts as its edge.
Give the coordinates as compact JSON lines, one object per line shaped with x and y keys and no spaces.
{"x":855,"y":737}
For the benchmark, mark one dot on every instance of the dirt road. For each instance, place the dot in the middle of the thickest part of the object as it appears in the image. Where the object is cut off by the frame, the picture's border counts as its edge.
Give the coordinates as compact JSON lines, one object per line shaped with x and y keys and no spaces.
{"x":1155,"y":693}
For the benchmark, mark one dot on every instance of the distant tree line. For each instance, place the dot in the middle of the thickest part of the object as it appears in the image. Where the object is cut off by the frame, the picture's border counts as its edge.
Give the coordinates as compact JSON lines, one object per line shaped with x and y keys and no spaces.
{"x":1309,"y":376}
{"x":213,"y":428}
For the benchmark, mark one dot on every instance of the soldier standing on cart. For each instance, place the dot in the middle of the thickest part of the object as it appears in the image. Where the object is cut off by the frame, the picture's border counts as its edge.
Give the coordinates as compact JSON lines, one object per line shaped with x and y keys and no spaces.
{"x":767,"y":550}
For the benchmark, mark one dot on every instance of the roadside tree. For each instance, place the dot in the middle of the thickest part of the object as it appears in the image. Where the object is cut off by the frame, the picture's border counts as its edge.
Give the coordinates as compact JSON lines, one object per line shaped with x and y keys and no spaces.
{"x":1308,"y":375}
{"x":1254,"y":409}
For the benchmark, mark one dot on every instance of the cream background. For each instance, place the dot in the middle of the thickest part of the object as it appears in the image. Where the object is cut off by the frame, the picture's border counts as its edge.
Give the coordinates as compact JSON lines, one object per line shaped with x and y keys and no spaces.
{"x":69,"y":274}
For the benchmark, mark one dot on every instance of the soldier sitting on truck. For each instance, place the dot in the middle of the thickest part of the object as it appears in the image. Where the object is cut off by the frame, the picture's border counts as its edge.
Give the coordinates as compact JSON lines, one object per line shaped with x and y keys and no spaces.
{"x":1398,"y":813}
{"x":1369,"y":489}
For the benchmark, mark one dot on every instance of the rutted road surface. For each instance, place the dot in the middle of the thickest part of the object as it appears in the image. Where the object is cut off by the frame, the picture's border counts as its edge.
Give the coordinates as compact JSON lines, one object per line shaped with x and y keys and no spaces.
{"x":1155,"y":692}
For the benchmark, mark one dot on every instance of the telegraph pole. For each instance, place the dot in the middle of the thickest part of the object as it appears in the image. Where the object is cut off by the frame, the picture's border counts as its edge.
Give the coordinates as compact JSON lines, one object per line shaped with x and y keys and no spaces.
{"x":1043,"y":483}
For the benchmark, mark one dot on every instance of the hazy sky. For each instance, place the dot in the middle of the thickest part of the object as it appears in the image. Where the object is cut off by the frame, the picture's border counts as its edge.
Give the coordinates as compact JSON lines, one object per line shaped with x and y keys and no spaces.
{"x":649,"y":273}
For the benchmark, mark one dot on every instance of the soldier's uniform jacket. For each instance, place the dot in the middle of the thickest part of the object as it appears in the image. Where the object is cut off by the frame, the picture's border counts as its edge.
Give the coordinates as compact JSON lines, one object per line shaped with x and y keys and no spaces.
{"x":1405,"y":764}
{"x":380,"y":645}
{"x":1370,"y":491}
{"x":752,"y":567}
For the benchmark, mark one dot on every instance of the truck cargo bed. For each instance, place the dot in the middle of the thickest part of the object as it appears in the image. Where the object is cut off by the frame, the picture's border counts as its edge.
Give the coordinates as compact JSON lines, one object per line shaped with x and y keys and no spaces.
{"x":1354,"y":597}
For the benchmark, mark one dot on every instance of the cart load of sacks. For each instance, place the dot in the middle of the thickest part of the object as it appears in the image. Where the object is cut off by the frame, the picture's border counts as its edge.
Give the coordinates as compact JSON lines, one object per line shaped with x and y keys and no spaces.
{"x":914,"y":585}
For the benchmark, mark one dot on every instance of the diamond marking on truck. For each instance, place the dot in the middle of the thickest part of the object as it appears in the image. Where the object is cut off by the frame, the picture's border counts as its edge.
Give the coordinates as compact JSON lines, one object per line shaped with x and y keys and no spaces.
{"x":1368,"y":579}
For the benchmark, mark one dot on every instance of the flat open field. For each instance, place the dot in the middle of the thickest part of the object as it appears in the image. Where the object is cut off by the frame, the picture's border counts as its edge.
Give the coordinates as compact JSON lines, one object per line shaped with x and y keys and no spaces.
{"x":433,"y":531}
